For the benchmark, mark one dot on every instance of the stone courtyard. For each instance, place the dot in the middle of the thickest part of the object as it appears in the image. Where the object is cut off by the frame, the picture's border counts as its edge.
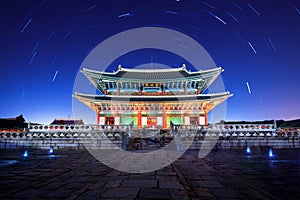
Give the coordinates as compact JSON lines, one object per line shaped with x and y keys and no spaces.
{"x":223,"y":174}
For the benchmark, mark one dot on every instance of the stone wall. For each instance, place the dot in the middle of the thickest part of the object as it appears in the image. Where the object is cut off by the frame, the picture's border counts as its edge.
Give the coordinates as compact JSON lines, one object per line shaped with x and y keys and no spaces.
{"x":104,"y":143}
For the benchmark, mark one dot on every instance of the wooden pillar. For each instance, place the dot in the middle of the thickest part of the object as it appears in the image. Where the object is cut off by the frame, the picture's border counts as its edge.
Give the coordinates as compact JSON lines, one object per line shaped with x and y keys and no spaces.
{"x":198,"y":91}
{"x":139,"y":119}
{"x":164,"y":118}
{"x":206,"y":120}
{"x":98,"y":117}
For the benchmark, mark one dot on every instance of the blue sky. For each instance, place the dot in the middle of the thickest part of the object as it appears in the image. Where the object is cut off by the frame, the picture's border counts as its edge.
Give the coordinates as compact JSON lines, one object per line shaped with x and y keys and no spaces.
{"x":43,"y":44}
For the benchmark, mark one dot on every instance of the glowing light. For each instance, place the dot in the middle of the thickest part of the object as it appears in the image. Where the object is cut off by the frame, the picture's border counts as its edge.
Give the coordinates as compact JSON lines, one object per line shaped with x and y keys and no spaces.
{"x":51,"y":150}
{"x":25,"y":154}
{"x":248,"y":150}
{"x":271,"y":154}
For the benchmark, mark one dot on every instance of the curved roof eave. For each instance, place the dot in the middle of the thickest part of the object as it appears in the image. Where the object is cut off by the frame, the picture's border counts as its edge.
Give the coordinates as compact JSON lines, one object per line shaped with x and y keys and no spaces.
{"x":133,"y":74}
{"x":91,"y":71}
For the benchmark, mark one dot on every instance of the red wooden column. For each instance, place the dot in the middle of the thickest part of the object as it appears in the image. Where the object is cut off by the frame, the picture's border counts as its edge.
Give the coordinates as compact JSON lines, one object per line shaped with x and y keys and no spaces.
{"x":98,"y":117}
{"x":164,"y":118}
{"x":139,"y":119}
{"x":205,"y":115}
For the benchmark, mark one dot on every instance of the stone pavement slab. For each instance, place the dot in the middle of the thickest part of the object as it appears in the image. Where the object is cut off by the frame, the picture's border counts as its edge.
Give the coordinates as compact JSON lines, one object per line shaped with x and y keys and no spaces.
{"x":170,"y":184}
{"x":120,"y":193}
{"x":139,"y":183}
{"x":154,"y":193}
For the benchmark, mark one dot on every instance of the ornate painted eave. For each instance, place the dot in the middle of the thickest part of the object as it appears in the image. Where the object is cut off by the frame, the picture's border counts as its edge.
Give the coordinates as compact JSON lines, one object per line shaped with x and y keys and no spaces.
{"x":209,"y":101}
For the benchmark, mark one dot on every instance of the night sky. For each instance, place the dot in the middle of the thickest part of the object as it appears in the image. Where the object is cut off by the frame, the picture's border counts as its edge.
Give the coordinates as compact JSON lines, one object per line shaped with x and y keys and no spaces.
{"x":43,"y":44}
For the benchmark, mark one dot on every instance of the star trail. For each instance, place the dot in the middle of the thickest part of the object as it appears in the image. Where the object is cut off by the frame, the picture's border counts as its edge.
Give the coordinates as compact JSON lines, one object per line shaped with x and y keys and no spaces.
{"x":171,"y":12}
{"x":125,"y":15}
{"x":253,"y":9}
{"x":297,"y":10}
{"x":26,"y":25}
{"x":253,"y":49}
{"x":33,"y":57}
{"x":248,"y":87}
{"x":218,"y":18}
{"x":54,"y":77}
{"x":233,"y":17}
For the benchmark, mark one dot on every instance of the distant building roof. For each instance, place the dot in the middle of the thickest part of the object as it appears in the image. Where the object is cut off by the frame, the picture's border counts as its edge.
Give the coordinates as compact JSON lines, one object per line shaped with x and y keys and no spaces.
{"x":62,"y":121}
{"x":290,"y":123}
{"x":15,"y":122}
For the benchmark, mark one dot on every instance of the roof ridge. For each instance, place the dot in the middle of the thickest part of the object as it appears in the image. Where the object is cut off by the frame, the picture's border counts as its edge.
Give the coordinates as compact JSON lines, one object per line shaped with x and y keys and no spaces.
{"x":124,"y":69}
